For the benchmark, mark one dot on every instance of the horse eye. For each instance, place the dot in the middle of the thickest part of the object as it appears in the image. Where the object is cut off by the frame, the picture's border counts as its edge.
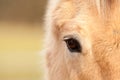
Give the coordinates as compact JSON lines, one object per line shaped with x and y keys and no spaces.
{"x":73,"y":45}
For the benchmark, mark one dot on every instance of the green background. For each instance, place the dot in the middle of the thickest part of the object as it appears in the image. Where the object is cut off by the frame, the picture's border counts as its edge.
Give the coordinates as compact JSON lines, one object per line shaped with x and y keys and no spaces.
{"x":21,"y":39}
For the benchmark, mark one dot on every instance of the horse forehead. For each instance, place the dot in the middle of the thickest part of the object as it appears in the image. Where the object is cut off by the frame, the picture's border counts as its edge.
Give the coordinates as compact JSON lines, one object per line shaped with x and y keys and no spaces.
{"x":86,"y":18}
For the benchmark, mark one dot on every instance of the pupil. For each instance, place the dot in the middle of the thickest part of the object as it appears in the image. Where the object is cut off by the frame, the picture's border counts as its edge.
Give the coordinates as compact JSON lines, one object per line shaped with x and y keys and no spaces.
{"x":73,"y":45}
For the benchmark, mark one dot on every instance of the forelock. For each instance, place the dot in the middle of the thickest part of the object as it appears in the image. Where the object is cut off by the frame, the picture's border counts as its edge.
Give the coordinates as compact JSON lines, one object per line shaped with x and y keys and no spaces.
{"x":105,"y":6}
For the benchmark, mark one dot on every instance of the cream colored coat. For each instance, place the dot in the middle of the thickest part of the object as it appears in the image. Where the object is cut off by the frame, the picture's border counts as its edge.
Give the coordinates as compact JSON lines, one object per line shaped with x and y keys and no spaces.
{"x":96,"y":23}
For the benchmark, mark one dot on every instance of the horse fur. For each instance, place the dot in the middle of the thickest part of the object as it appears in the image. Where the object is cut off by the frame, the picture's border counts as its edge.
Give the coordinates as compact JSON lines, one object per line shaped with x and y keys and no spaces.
{"x":96,"y":23}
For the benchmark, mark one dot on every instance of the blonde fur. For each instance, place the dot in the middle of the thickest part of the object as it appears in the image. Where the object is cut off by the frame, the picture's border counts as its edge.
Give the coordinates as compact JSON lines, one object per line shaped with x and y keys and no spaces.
{"x":96,"y":24}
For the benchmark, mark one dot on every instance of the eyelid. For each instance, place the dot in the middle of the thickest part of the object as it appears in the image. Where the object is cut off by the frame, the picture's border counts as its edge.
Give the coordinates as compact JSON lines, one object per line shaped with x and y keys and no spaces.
{"x":71,"y":36}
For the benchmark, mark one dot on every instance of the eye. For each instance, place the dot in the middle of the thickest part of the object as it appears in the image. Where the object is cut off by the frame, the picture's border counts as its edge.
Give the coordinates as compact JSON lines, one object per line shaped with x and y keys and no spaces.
{"x":73,"y":45}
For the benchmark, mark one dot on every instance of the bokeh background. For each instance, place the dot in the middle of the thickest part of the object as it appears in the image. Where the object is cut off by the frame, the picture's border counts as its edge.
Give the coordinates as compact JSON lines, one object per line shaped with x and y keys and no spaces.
{"x":21,"y":39}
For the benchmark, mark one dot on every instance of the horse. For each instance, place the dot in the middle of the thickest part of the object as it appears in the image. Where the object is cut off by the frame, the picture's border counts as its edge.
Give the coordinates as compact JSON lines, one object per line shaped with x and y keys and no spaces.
{"x":82,"y":40}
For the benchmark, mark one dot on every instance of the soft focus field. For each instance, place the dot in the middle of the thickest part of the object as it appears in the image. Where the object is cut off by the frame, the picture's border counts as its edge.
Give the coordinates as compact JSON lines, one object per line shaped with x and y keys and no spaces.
{"x":20,"y":46}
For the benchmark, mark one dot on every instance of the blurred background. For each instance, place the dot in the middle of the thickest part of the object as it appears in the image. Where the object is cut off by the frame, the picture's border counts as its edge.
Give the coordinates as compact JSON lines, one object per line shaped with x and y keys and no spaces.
{"x":21,"y":39}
